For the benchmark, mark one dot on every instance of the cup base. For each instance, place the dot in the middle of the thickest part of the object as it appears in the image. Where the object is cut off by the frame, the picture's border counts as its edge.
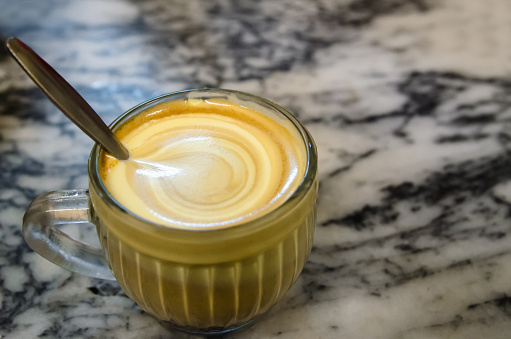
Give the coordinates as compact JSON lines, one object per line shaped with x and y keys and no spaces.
{"x":187,"y":331}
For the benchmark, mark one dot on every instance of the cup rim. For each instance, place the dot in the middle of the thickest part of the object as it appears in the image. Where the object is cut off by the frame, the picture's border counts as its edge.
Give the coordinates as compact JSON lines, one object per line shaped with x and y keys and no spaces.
{"x":305,"y":184}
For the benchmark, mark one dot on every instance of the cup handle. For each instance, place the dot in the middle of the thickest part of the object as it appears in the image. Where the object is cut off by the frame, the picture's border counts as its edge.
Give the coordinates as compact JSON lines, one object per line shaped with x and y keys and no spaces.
{"x":40,"y":232}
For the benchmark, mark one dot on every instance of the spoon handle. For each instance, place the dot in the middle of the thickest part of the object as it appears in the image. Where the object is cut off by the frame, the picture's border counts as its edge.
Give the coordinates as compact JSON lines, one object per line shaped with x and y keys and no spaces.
{"x":66,"y":98}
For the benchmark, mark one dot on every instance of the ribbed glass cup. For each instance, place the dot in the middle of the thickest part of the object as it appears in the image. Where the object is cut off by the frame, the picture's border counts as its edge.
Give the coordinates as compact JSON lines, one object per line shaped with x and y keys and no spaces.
{"x":208,"y":281}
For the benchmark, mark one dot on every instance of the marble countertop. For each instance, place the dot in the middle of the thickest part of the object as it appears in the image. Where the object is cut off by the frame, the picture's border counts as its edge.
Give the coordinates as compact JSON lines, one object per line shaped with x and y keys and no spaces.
{"x":409,"y":102}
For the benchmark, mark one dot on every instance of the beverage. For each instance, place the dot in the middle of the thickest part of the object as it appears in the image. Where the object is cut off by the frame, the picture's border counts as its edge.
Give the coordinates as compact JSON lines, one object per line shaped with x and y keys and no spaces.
{"x":208,"y":223}
{"x":204,"y":164}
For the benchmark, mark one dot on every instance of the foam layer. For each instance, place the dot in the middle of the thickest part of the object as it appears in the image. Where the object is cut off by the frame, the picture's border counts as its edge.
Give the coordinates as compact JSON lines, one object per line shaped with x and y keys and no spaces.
{"x":199,"y":163}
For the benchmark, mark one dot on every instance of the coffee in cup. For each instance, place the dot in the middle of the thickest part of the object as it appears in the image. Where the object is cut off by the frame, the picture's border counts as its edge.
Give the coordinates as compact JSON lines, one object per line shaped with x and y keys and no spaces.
{"x":203,"y":164}
{"x":209,"y":222}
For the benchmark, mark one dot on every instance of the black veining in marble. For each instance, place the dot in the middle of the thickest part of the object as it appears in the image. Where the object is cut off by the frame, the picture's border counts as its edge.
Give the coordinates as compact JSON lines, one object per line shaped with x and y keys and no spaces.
{"x":414,"y":207}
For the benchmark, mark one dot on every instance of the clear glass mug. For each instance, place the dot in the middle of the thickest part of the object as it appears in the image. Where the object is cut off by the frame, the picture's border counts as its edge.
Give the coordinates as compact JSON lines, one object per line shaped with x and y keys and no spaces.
{"x":199,"y":281}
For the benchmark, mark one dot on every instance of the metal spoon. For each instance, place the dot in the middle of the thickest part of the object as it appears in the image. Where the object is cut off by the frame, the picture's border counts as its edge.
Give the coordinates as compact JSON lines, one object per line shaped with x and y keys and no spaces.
{"x":66,"y":98}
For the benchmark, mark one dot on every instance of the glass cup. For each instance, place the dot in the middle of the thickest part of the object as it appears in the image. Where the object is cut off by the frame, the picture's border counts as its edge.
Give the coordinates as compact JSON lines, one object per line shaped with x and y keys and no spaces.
{"x":198,"y":281}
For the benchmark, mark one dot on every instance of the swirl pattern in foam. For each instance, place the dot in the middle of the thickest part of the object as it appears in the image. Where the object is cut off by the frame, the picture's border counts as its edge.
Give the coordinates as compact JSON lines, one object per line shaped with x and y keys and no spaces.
{"x":204,"y":163}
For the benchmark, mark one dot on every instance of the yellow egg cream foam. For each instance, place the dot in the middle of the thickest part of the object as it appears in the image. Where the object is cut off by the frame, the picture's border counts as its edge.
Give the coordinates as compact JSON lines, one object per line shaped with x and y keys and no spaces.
{"x":204,"y":164}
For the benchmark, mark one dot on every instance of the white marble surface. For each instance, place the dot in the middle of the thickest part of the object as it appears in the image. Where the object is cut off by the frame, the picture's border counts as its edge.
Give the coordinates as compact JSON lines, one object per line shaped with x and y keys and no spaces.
{"x":409,"y":103}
